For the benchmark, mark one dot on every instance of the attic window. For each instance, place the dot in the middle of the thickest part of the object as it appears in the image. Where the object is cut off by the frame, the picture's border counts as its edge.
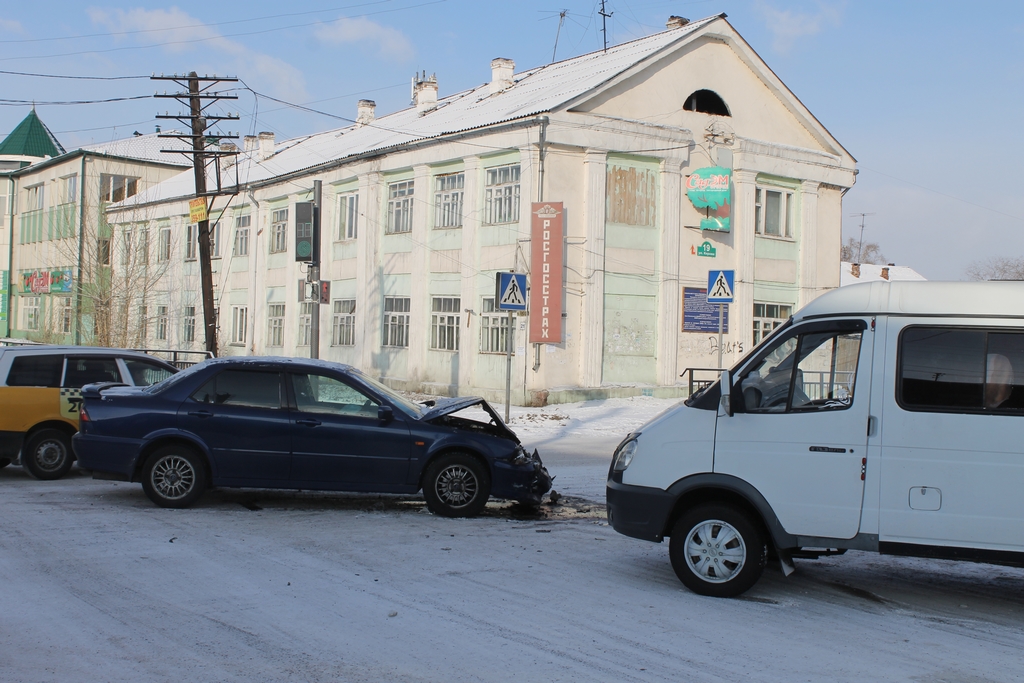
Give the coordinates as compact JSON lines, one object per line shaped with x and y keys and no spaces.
{"x":706,"y":102}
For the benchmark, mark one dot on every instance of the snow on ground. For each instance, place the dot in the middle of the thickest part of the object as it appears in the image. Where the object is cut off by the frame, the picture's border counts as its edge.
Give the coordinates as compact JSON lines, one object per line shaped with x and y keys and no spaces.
{"x":250,"y":586}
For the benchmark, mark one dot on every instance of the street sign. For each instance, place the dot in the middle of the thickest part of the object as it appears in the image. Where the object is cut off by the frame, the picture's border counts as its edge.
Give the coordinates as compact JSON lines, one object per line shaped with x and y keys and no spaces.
{"x":721,"y":285}
{"x":510,"y":292}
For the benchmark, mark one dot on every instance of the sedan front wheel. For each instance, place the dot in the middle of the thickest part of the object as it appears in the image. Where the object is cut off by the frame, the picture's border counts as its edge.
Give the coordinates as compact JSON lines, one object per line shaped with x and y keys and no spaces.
{"x":174,"y":477}
{"x":456,"y":485}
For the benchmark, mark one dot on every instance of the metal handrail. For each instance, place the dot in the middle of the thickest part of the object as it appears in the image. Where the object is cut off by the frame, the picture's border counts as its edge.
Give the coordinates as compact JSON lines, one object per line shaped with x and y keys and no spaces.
{"x":699,"y":384}
{"x":175,"y":356}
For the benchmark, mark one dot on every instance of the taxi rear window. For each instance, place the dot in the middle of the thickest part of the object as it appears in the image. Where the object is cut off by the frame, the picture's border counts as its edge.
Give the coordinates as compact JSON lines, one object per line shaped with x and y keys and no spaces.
{"x":35,"y":371}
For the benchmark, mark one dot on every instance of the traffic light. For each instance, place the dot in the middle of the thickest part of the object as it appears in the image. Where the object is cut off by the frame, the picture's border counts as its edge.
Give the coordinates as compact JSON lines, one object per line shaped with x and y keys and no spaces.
{"x":325,"y":291}
{"x":304,"y":231}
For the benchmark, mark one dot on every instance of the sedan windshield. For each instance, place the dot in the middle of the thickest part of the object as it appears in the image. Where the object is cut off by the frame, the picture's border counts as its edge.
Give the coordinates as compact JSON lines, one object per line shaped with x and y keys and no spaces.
{"x":413,"y":410}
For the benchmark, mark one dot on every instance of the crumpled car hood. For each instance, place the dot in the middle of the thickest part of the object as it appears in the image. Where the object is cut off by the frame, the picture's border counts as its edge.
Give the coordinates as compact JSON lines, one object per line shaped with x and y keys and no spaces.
{"x":447,"y":406}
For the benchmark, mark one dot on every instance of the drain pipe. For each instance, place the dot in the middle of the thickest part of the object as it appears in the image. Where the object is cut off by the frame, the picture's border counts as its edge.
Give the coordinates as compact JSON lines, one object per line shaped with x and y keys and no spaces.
{"x":11,"y":197}
{"x":540,"y":197}
{"x":81,"y":251}
{"x":254,"y":248}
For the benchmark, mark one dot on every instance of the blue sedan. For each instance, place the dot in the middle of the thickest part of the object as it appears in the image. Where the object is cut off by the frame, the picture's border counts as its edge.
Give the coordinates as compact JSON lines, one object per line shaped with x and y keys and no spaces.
{"x":301,"y":424}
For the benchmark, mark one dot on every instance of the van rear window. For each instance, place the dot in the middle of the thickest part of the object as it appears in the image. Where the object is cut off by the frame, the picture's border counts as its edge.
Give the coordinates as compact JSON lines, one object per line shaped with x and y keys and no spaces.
{"x":962,"y":370}
{"x":36,"y":371}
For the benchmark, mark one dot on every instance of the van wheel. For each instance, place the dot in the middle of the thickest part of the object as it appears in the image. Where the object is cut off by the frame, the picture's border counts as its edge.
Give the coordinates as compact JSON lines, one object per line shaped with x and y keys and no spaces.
{"x":716,"y":550}
{"x":456,"y":485}
{"x":47,"y":455}
{"x":174,"y":477}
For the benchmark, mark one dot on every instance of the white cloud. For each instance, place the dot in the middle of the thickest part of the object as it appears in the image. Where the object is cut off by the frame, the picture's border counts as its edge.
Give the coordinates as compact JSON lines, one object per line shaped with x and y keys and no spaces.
{"x":391,"y":43}
{"x":177,"y":32}
{"x":11,"y":26}
{"x":789,"y":26}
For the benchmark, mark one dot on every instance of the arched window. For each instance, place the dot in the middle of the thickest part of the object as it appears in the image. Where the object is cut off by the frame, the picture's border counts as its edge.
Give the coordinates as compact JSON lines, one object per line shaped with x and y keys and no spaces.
{"x":706,"y":102}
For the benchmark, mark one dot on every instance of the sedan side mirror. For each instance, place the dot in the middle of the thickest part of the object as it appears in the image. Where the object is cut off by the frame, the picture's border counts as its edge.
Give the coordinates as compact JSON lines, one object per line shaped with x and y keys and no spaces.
{"x":726,"y":385}
{"x":385,"y":414}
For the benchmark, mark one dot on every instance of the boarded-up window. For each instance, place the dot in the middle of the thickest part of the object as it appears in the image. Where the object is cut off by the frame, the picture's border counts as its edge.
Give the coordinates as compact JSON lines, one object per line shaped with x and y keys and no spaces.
{"x":632,"y":196}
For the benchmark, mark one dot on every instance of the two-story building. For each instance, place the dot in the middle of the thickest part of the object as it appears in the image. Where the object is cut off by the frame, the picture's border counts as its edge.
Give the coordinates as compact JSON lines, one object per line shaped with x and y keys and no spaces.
{"x":422,"y":207}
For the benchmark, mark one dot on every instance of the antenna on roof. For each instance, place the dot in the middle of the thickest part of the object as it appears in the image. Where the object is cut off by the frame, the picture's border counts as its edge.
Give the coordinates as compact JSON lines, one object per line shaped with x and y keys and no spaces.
{"x":561,"y":20}
{"x":605,"y":16}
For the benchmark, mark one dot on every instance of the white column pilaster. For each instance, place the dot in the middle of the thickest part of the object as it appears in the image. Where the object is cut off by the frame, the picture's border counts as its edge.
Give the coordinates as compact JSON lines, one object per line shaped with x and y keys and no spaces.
{"x":469,"y":336}
{"x":741,"y":321}
{"x":369,"y":294}
{"x":595,"y":163}
{"x":808,"y":241}
{"x":419,"y":297}
{"x":669,"y":288}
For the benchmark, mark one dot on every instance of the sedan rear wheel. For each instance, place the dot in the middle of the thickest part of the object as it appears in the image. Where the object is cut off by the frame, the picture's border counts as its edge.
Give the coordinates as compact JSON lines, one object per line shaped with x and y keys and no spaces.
{"x":174,"y":477}
{"x":47,"y":454}
{"x":456,"y":485}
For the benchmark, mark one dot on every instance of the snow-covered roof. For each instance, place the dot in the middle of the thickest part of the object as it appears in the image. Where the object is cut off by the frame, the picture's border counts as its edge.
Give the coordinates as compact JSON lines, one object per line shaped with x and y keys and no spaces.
{"x":870,"y":272}
{"x":144,"y":147}
{"x":535,"y":91}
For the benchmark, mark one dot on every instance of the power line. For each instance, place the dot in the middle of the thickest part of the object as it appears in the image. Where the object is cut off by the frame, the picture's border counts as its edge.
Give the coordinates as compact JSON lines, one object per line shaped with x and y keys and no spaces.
{"x":21,"y":103}
{"x":77,"y":78}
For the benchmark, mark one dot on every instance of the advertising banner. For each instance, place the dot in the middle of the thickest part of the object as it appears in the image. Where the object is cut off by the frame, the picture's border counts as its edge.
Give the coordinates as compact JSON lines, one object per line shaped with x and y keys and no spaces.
{"x":60,"y":281}
{"x":546,"y":260}
{"x":36,"y":282}
{"x":710,"y":192}
{"x":699,"y":315}
{"x":197,"y":210}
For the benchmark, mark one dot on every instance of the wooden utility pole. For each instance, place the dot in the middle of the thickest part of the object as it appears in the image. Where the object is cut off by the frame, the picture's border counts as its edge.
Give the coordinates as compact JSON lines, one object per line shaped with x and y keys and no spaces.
{"x":198,"y":97}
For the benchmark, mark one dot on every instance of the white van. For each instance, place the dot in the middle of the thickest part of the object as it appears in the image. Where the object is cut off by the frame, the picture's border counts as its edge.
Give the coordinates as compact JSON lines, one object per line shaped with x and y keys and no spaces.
{"x":885,"y":416}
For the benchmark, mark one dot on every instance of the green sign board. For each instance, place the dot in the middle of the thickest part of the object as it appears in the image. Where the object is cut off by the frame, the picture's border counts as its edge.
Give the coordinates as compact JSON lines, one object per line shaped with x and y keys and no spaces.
{"x":707,"y":249}
{"x":710,"y":191}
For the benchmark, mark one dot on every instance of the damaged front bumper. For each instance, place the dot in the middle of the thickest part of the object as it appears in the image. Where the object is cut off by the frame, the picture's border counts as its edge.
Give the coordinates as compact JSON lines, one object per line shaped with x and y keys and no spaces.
{"x":523,"y":478}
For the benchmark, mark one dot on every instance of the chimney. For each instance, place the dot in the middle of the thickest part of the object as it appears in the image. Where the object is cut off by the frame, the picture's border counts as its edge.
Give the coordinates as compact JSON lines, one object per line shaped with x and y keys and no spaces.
{"x":228,"y":160}
{"x":501,"y":74}
{"x":266,"y":145}
{"x":676,"y":22}
{"x":424,"y":93}
{"x":855,"y":270}
{"x":885,"y":273}
{"x":365,"y":112}
{"x":249,"y":143}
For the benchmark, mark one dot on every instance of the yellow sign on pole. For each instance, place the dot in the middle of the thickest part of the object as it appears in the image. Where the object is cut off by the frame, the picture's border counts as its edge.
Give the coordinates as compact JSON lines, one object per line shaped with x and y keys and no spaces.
{"x":197,"y":210}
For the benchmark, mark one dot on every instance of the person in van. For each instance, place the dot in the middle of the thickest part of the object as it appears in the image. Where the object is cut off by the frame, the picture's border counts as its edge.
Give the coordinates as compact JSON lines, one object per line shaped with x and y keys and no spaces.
{"x":882,"y":417}
{"x":40,"y":394}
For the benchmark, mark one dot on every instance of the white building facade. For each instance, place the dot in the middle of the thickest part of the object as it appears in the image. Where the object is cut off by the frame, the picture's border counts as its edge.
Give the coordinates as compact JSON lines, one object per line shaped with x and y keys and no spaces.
{"x":421,"y":209}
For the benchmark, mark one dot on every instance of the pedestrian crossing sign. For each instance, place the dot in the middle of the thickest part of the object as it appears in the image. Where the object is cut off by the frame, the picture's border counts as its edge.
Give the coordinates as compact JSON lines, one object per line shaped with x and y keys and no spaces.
{"x":510,"y":292}
{"x":721,"y":284}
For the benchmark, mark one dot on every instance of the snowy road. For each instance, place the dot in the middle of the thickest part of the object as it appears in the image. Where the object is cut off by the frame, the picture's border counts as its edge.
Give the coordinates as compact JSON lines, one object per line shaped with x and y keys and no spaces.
{"x":100,"y":585}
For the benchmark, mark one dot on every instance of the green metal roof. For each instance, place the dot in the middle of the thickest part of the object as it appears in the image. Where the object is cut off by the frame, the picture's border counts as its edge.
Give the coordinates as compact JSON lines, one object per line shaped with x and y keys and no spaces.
{"x":31,"y":139}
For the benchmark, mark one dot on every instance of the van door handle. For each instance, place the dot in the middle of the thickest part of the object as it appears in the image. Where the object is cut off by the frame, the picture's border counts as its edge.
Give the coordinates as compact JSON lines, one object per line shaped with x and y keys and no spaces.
{"x":872,"y":425}
{"x":309,"y":423}
{"x":201,"y":413}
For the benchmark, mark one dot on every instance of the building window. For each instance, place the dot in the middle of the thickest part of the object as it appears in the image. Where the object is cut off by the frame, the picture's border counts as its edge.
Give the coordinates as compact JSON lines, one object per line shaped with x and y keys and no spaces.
{"x":279,"y":231}
{"x":767,"y":317}
{"x":126,"y":255}
{"x":116,"y":188}
{"x":448,"y":191}
{"x":494,"y":331}
{"x":30,"y":306}
{"x":305,"y":323}
{"x":241,"y":245}
{"x":275,"y":325}
{"x":191,"y":241}
{"x":69,"y":189}
{"x":396,"y":321}
{"x":161,"y":323}
{"x":344,"y":323}
{"x":773,"y":210}
{"x":144,"y":246}
{"x":34,"y":197}
{"x":239,"y":322}
{"x":215,"y":240}
{"x":444,"y":323}
{"x":143,"y":323}
{"x":399,"y":207}
{"x":348,"y":216}
{"x":66,"y":314}
{"x":188,"y":330}
{"x":163,"y":247}
{"x":706,"y":102}
{"x":103,"y":252}
{"x":501,"y":202}
{"x":632,"y":196}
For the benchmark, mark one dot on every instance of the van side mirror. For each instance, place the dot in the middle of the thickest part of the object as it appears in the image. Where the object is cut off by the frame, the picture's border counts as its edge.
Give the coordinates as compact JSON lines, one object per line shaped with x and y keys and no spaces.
{"x":385,"y":414}
{"x":726,"y":384}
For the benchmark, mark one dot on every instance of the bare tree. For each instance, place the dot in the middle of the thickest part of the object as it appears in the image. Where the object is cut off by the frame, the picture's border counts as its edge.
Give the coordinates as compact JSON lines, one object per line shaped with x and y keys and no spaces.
{"x":997,"y":268}
{"x":854,"y":252}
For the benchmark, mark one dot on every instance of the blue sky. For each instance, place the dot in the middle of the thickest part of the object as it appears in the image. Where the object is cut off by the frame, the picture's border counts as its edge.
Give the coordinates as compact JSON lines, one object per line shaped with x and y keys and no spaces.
{"x":926,"y":96}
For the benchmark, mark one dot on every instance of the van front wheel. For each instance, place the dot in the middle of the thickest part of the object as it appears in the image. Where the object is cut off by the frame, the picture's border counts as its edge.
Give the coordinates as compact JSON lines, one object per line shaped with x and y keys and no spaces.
{"x":717,"y":550}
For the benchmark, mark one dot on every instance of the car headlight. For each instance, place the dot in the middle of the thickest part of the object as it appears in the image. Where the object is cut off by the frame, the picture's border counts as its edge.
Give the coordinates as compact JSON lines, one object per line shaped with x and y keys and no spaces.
{"x":520,"y":457}
{"x":624,"y":455}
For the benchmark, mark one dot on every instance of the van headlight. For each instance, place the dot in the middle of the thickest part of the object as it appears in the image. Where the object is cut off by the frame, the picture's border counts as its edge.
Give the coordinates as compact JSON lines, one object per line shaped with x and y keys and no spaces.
{"x":624,"y":455}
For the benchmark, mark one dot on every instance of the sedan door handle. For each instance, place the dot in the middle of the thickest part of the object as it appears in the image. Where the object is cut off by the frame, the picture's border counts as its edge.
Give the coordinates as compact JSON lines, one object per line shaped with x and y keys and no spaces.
{"x":309,"y":423}
{"x":201,"y":413}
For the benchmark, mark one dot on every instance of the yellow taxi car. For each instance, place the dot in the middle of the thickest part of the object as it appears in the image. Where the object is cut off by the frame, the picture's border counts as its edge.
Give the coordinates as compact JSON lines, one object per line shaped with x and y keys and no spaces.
{"x":40,"y":394}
